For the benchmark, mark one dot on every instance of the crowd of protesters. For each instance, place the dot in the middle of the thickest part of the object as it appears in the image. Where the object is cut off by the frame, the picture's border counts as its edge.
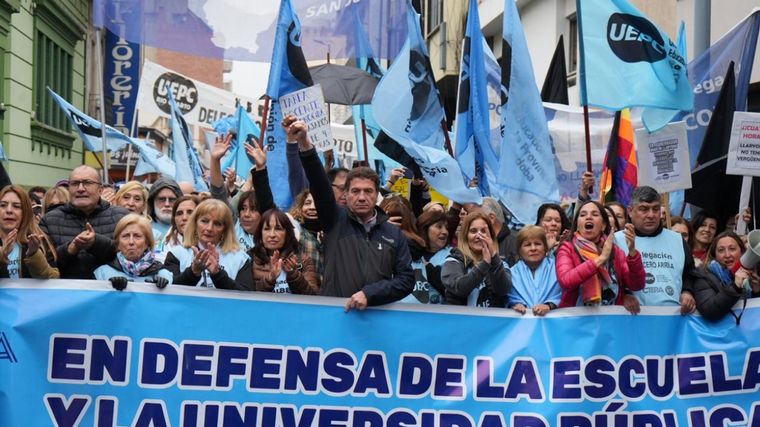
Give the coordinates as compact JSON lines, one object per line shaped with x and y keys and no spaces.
{"x":348,"y":236}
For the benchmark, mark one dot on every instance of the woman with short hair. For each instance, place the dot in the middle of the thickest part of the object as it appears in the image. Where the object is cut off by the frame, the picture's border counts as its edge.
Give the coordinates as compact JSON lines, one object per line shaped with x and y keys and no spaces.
{"x":133,"y":196}
{"x":534,"y":278}
{"x":135,"y":260}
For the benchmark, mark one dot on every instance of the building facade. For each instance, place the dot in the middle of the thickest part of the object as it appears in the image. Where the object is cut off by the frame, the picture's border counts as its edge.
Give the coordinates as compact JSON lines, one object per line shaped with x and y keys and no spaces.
{"x":42,"y":44}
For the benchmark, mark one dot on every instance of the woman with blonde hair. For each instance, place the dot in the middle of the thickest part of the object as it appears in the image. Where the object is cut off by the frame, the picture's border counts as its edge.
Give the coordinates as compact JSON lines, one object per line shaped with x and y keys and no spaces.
{"x":135,"y":260}
{"x":132,"y":196}
{"x":54,"y":197}
{"x":474,"y":274}
{"x":26,"y":250}
{"x":210,"y":254}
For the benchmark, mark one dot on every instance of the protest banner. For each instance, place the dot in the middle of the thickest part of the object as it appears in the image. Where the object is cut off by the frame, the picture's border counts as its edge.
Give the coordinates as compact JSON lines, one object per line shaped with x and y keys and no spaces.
{"x":663,"y":158}
{"x":201,"y":103}
{"x":309,"y":105}
{"x":81,"y":353}
{"x":744,"y":148}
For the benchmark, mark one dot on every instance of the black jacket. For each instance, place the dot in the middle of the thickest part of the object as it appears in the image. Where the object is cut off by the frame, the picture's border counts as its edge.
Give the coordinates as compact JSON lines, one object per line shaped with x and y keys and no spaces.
{"x":376,"y":262}
{"x":62,"y":225}
{"x":714,"y":300}
{"x":462,"y":278}
{"x":508,"y":245}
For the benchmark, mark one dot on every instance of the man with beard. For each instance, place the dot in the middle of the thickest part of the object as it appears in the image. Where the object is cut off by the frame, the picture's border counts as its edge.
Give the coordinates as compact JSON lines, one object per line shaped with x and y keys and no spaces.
{"x":161,"y":197}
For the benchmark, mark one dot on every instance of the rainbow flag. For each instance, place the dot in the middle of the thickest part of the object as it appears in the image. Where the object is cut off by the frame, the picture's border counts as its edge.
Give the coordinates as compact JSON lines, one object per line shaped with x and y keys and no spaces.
{"x":620,"y":170}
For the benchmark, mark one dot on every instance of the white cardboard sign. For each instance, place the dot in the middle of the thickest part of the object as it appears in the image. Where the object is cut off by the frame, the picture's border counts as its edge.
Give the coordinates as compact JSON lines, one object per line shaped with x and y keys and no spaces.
{"x":744,"y":147}
{"x":309,"y":105}
{"x":663,"y":158}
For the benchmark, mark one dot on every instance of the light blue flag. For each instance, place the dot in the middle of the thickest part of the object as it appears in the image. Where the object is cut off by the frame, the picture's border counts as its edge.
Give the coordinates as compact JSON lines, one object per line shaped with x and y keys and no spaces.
{"x":288,"y":73}
{"x":526,"y":176}
{"x":239,"y":159}
{"x":2,"y":153}
{"x":367,"y":61}
{"x":473,"y":127}
{"x":89,"y":129}
{"x":626,"y":61}
{"x":152,"y":159}
{"x":407,"y":107}
{"x":187,"y":163}
{"x":655,"y":119}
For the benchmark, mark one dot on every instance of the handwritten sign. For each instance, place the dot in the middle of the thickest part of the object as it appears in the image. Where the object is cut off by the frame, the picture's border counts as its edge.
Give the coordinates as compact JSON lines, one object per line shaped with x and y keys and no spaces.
{"x":309,"y":105}
{"x":744,"y":148}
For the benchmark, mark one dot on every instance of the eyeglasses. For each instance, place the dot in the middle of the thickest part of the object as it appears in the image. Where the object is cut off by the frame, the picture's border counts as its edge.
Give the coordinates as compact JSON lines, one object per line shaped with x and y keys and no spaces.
{"x":87,"y":183}
{"x":166,"y":199}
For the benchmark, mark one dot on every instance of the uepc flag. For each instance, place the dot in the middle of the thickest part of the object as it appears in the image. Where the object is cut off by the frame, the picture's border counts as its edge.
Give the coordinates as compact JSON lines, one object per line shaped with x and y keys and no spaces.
{"x":407,"y":108}
{"x":526,"y":176}
{"x":89,"y":128}
{"x":288,"y":73}
{"x":627,"y":61}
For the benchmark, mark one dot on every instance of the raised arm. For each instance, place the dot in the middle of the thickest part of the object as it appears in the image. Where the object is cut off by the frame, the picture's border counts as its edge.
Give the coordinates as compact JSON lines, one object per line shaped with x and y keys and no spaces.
{"x":321,"y":190}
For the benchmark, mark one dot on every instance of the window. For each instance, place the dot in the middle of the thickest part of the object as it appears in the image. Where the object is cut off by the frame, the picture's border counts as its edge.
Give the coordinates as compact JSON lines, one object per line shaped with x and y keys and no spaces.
{"x":53,"y":66}
{"x":59,"y":33}
{"x":573,"y":51}
{"x":433,"y":15}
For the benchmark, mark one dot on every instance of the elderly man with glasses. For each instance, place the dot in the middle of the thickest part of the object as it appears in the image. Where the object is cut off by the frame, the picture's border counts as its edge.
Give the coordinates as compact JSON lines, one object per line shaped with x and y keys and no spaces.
{"x":161,"y":197}
{"x":82,"y":229}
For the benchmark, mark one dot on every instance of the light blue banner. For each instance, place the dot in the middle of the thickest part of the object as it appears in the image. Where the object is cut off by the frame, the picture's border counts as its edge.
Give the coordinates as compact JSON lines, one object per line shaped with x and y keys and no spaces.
{"x":73,"y":351}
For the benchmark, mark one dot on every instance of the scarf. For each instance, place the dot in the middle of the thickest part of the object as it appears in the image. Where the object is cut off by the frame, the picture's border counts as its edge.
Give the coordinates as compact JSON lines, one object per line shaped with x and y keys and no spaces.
{"x":530,"y":290}
{"x":591,"y":289}
{"x":722,"y":273}
{"x":136,"y":268}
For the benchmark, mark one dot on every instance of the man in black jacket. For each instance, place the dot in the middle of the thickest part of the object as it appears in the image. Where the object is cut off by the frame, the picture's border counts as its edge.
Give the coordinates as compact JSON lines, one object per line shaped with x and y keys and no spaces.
{"x":82,"y":230}
{"x":367,"y":259}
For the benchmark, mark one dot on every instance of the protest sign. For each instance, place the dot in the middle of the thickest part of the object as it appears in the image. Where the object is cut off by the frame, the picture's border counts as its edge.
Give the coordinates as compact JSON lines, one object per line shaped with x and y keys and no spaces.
{"x":344,"y":140}
{"x":309,"y":105}
{"x":81,"y":353}
{"x":744,"y":147}
{"x":663,"y":158}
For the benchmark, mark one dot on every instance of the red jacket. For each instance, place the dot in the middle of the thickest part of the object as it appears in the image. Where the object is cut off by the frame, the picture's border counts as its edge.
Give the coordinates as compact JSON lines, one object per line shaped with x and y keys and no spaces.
{"x":572,"y":273}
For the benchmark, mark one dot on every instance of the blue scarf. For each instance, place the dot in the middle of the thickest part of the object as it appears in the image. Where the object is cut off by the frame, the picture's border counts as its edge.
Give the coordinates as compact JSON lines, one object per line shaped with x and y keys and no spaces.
{"x":136,"y":268}
{"x":531,"y":291}
{"x":722,"y":273}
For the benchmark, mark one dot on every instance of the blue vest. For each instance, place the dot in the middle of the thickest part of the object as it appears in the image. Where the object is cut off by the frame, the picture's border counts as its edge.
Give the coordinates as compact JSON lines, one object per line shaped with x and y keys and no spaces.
{"x":424,"y":292}
{"x":232,"y":262}
{"x":663,"y":258}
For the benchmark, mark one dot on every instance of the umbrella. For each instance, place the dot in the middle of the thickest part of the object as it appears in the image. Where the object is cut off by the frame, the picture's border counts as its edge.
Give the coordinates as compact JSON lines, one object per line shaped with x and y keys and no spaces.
{"x":344,"y":85}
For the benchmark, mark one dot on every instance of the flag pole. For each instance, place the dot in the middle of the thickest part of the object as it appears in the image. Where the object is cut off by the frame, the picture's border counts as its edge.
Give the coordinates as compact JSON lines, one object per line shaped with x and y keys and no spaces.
{"x":364,"y":140}
{"x":588,"y":139}
{"x":264,"y":118}
{"x":446,"y":137}
{"x":99,"y":66}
